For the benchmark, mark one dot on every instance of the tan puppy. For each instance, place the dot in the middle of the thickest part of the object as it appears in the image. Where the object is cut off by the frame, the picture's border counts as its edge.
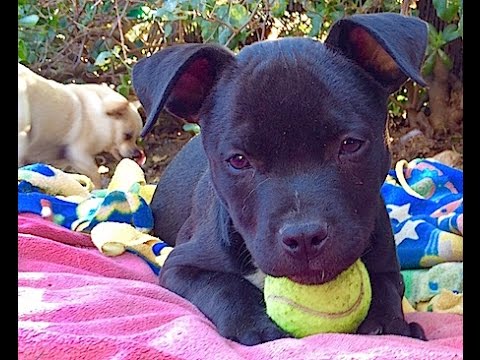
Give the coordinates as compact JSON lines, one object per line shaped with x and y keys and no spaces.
{"x":68,"y":124}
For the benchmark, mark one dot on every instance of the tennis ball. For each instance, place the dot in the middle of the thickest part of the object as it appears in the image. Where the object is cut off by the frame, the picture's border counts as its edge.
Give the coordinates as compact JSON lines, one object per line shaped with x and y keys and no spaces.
{"x":337,"y":306}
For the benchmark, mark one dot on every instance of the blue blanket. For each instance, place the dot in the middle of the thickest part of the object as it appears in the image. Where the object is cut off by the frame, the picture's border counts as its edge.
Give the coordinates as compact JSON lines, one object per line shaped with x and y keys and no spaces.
{"x":61,"y":197}
{"x":424,"y":199}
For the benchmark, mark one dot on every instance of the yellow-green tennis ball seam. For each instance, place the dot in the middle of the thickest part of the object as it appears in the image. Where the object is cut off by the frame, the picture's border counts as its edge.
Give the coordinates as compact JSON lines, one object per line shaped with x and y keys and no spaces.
{"x":338,"y":306}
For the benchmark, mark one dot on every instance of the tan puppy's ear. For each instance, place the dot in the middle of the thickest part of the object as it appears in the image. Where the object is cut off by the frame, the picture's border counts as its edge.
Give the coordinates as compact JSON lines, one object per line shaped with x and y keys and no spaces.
{"x":115,"y":106}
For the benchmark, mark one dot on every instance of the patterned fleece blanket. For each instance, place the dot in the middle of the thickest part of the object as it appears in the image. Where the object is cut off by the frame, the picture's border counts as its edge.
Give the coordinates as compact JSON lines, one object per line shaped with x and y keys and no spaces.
{"x":424,"y":199}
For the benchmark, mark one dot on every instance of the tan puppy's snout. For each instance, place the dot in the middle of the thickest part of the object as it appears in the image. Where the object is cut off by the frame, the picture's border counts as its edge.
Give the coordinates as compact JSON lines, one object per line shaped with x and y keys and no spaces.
{"x":139,"y":156}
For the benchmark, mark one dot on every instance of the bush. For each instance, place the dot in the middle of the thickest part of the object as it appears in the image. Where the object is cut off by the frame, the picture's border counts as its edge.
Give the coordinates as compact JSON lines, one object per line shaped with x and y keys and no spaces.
{"x":99,"y":41}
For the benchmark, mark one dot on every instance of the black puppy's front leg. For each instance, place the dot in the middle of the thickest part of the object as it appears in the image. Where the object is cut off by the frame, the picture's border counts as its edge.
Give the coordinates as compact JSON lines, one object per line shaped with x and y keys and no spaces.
{"x":386,"y":315}
{"x":231,"y":302}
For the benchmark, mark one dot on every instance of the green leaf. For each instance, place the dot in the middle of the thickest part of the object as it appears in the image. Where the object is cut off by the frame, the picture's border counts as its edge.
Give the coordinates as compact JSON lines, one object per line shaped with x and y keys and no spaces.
{"x":167,"y":30}
{"x":222,"y":12}
{"x":191,"y":127}
{"x":125,"y":79}
{"x":440,"y":6}
{"x":429,"y":63}
{"x":160,"y":12}
{"x":450,"y":33}
{"x":435,"y":39}
{"x":51,"y":34}
{"x":445,"y":59}
{"x":199,"y":5}
{"x":141,"y":12}
{"x":279,"y":7}
{"x":317,"y":21}
{"x":103,"y":58}
{"x":208,"y":29}
{"x":238,"y":15}
{"x":29,"y":21}
{"x":123,"y":89}
{"x":32,"y":57}
{"x":63,"y":22}
{"x":116,"y":51}
{"x":460,"y":26}
{"x":170,"y":5}
{"x":337,"y":15}
{"x":22,"y":51}
{"x":224,"y":36}
{"x":446,"y":9}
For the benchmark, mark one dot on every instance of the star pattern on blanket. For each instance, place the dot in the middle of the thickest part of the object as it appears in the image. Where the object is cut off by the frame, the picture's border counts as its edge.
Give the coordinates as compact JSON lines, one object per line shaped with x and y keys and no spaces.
{"x":399,"y":213}
{"x":408,"y":231}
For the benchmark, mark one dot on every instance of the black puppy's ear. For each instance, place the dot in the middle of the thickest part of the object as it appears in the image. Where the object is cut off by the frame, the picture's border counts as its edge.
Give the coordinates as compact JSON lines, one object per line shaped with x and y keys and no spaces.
{"x":391,"y":47}
{"x":178,"y":78}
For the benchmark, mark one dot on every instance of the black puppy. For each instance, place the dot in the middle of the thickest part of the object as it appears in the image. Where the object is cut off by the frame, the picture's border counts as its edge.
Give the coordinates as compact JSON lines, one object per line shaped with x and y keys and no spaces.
{"x":285,"y":178}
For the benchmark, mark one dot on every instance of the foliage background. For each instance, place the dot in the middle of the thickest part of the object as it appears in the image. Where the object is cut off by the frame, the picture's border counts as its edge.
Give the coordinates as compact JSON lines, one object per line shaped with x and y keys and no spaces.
{"x":100,"y":40}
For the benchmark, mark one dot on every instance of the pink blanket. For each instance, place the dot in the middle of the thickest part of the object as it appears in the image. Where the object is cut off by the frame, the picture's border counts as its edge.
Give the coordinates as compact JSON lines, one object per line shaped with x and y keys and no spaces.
{"x":75,"y":303}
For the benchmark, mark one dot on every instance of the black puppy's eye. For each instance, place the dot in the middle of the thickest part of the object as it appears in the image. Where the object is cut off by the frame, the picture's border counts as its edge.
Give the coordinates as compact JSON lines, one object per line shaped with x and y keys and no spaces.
{"x":238,"y":162}
{"x":127,"y":136}
{"x":350,"y":146}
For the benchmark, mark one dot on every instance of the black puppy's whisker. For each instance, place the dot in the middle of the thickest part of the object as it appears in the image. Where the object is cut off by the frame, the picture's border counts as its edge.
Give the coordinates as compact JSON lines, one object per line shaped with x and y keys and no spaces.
{"x":245,"y":259}
{"x":240,"y":251}
{"x":251,"y":192}
{"x":366,"y":251}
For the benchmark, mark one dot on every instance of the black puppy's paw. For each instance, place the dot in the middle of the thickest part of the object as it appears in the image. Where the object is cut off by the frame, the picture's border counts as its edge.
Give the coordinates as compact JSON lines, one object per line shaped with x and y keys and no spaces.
{"x":253,"y":333}
{"x":397,"y":326}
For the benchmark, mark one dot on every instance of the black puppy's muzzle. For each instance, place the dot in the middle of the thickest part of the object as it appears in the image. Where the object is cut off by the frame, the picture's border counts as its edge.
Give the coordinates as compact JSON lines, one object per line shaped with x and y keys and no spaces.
{"x":303,"y":241}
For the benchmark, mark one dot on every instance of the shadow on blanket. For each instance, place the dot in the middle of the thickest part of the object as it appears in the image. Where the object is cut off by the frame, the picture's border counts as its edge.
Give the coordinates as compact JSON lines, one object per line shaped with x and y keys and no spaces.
{"x":76,"y":303}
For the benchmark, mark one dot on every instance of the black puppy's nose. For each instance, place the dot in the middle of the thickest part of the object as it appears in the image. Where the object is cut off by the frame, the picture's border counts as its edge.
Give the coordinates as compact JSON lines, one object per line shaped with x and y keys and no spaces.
{"x":303,"y":240}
